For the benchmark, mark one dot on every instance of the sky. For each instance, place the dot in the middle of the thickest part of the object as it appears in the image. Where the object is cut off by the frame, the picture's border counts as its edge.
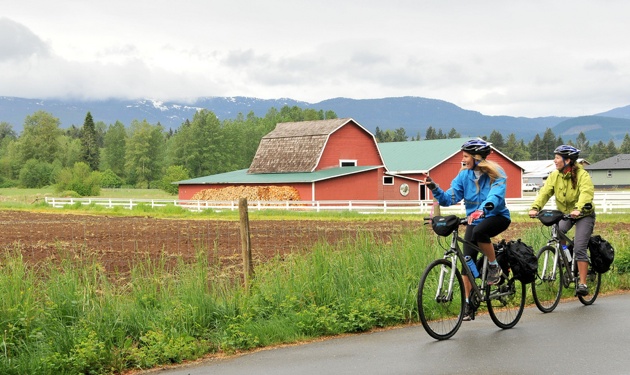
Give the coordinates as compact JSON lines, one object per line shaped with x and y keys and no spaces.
{"x":517,"y":58}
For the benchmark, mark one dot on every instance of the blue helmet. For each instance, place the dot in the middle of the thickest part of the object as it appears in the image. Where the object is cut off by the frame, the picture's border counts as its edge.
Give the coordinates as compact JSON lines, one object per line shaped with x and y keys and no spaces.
{"x":477,"y":147}
{"x":567,"y":152}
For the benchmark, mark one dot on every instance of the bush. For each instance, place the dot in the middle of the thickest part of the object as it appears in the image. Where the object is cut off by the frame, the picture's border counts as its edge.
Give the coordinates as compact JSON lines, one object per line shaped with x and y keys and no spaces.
{"x":173,"y":173}
{"x":109,"y":179}
{"x":79,"y":179}
{"x":36,"y":174}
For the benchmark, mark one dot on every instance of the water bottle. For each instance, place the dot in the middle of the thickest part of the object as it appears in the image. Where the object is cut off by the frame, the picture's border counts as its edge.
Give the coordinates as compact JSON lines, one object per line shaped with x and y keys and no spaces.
{"x":472,"y":266}
{"x":567,"y":253}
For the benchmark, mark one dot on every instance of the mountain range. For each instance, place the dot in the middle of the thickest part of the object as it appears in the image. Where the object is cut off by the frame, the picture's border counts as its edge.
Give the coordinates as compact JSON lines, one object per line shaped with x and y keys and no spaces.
{"x":414,"y":114}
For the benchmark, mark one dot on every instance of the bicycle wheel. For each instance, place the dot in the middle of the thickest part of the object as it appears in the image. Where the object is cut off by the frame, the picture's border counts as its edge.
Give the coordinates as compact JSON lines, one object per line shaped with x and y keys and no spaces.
{"x":506,"y":302}
{"x":547,"y":288}
{"x":594,"y":281}
{"x":440,"y":313}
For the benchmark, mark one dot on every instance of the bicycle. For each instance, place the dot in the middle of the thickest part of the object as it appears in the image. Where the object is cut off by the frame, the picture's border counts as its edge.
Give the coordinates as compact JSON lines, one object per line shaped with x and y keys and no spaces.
{"x":441,"y":298}
{"x":556,"y":270}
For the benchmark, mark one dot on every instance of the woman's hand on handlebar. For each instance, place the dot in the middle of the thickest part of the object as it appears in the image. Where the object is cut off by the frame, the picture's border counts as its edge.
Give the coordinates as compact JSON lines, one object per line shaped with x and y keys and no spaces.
{"x":475,"y":215}
{"x":575,"y":214}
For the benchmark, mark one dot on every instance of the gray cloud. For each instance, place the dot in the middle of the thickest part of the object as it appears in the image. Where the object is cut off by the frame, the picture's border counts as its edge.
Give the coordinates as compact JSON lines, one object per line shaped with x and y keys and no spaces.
{"x":17,"y":42}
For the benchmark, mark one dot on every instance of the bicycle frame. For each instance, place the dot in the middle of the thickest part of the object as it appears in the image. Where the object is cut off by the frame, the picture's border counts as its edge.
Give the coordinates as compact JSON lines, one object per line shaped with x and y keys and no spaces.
{"x":453,"y":254}
{"x":557,"y":236}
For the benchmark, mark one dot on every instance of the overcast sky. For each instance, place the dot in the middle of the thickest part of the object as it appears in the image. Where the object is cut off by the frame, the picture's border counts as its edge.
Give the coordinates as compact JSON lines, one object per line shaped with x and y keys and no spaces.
{"x":519,"y":58}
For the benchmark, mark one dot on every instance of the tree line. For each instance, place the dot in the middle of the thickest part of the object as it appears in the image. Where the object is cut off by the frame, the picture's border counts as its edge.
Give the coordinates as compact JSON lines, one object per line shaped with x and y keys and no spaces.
{"x":539,"y":148}
{"x":81,"y":160}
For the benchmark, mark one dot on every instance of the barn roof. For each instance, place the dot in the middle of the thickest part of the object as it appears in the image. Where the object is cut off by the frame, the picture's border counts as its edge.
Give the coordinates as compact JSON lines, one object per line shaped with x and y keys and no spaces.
{"x":243,"y":177}
{"x":418,"y":156}
{"x":421,"y":156}
{"x":621,"y":161}
{"x":295,"y":146}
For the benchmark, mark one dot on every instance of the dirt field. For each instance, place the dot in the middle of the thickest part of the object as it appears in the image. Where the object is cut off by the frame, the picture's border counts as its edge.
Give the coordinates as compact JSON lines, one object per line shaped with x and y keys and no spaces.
{"x":119,"y":242}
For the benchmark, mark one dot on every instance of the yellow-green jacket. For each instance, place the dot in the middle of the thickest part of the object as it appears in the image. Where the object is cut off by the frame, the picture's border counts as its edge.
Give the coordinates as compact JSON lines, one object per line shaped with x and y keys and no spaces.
{"x":567,"y":198}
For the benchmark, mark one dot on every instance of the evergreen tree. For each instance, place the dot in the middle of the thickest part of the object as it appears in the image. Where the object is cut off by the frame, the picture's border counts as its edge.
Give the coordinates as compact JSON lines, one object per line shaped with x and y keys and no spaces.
{"x":625,"y":145}
{"x":496,"y":138}
{"x":453,"y":134}
{"x":378,"y":135}
{"x":400,"y":135}
{"x":90,"y":151}
{"x":597,"y":152}
{"x":582,"y":144}
{"x":430,"y":134}
{"x":536,"y":149}
{"x":611,"y":149}
{"x":549,"y":144}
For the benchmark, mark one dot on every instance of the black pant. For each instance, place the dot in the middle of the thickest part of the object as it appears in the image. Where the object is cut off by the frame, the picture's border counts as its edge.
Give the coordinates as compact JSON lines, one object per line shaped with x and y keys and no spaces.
{"x":483,"y":232}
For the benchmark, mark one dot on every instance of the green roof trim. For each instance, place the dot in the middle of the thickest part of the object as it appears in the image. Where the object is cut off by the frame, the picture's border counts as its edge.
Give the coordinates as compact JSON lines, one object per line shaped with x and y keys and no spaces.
{"x":418,"y":156}
{"x":242,"y":177}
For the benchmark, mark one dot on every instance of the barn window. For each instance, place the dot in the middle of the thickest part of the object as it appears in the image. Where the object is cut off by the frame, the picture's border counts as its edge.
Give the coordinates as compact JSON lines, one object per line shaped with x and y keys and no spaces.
{"x":609,"y":173}
{"x":388,"y":180}
{"x":347,"y":163}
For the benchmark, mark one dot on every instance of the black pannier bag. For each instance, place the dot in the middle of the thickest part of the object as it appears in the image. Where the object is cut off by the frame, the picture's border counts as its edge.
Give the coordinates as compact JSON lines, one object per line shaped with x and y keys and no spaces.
{"x":602,"y":253}
{"x":501,"y":256}
{"x":522,"y":261}
{"x":550,"y":217}
{"x":444,"y":225}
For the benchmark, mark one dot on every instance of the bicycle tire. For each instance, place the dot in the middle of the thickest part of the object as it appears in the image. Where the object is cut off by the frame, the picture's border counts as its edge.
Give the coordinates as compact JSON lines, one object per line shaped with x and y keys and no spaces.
{"x":595,"y":279}
{"x":506,"y":302}
{"x":547,"y":288}
{"x":441,"y":317}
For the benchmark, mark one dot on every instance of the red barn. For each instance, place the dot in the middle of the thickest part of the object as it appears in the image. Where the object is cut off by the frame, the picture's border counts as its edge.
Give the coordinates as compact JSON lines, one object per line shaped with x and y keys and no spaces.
{"x":339,"y":159}
{"x":334,"y":159}
{"x":441,"y":159}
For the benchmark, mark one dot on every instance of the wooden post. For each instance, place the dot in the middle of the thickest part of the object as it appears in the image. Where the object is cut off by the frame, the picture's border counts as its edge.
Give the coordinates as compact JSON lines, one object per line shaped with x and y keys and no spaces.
{"x":435,"y":209}
{"x":248,"y":270}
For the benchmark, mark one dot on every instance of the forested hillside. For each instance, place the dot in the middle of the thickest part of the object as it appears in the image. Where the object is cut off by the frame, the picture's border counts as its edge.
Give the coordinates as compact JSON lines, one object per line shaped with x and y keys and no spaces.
{"x":81,"y":160}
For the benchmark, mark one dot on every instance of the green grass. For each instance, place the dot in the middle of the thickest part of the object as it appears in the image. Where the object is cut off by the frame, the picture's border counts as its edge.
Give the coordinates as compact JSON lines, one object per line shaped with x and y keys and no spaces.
{"x":70,"y":317}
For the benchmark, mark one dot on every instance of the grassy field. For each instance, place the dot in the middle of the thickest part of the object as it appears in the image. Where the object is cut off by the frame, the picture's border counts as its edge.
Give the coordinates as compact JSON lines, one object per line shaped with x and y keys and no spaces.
{"x":74,"y":319}
{"x":30,"y":195}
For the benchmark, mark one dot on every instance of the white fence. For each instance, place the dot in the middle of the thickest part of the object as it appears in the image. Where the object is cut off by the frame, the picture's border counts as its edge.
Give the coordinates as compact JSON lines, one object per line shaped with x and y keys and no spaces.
{"x":605,"y":202}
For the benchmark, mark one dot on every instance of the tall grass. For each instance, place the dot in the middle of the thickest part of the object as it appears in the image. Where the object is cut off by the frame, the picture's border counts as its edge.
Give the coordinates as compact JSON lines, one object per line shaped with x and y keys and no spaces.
{"x":71,"y":317}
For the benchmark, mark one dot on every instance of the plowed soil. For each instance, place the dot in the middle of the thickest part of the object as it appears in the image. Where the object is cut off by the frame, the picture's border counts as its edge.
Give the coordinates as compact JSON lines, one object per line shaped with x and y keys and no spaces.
{"x":119,"y":242}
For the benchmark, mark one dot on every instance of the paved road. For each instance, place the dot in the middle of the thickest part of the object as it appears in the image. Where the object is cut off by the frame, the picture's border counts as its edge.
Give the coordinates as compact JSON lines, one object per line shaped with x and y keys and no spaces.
{"x":574,"y":339}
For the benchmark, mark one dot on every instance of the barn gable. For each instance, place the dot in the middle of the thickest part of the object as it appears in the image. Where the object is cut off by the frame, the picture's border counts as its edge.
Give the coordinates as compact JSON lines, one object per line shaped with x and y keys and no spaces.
{"x":295,"y":147}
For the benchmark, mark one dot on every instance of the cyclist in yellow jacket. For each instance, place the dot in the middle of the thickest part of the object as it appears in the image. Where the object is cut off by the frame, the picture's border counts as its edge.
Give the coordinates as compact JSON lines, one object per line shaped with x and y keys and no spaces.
{"x":574,"y":190}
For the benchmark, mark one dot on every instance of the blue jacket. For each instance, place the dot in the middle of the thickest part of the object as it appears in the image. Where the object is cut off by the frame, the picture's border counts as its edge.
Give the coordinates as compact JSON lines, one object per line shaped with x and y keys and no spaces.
{"x":463,"y":187}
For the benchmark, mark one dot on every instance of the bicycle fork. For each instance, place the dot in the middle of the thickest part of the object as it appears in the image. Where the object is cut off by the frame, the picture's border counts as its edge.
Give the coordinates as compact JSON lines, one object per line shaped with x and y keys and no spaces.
{"x":446,"y":294}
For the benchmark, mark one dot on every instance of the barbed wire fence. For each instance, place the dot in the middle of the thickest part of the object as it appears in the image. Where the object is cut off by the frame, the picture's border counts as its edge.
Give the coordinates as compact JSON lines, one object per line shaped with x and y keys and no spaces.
{"x":120,"y":243}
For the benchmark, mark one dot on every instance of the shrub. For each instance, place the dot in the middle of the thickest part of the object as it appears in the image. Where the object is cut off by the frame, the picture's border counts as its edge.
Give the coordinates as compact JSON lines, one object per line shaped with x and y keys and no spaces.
{"x":36,"y":174}
{"x":79,"y":179}
{"x":109,"y":179}
{"x":173,"y":173}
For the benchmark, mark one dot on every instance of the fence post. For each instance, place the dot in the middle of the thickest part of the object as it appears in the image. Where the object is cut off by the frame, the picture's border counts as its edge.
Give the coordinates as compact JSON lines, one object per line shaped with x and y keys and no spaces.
{"x":248,"y":270}
{"x":435,"y":209}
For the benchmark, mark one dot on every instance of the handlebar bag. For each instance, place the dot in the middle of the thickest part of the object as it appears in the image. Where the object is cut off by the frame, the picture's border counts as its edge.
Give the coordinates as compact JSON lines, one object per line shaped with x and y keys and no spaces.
{"x":444,"y":225}
{"x":550,"y":217}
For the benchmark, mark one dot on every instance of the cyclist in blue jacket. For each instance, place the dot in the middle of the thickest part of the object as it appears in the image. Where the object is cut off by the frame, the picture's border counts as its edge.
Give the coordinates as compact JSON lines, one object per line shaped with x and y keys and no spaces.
{"x":481,"y":183}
